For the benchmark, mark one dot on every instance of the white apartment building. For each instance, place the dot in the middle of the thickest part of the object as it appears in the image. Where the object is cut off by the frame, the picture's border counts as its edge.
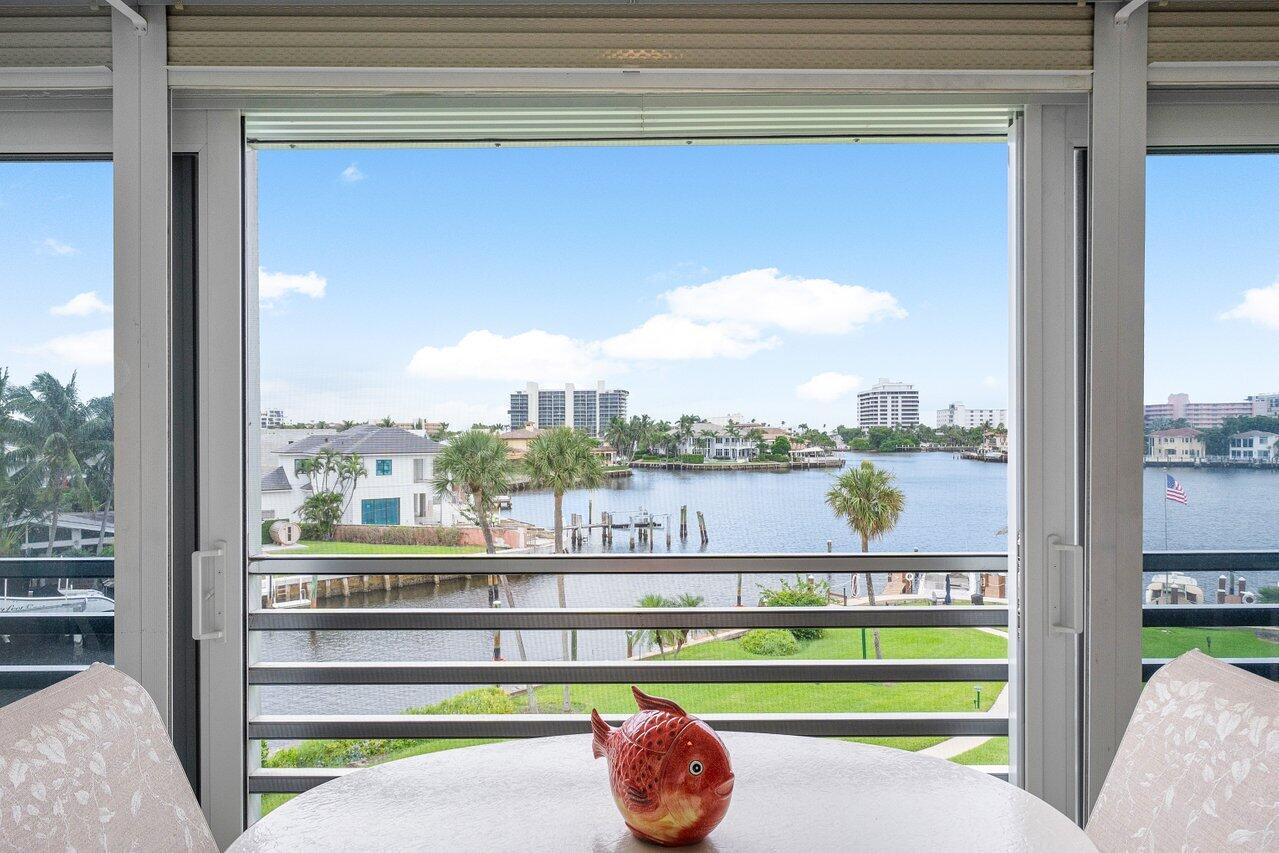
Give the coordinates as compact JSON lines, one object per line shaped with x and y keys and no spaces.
{"x":588,"y":409}
{"x":889,"y":404}
{"x":272,"y":418}
{"x":717,"y":441}
{"x":396,"y":488}
{"x":1254,"y":446}
{"x":959,"y":415}
{"x":1210,"y":415}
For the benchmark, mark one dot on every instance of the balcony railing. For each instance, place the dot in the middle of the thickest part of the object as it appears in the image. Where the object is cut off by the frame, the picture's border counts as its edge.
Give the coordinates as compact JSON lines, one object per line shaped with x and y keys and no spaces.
{"x":268,"y":673}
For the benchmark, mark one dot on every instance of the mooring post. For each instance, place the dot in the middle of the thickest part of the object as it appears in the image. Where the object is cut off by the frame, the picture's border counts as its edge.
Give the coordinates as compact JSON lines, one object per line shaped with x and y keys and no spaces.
{"x":683,"y":522}
{"x":701,"y":526}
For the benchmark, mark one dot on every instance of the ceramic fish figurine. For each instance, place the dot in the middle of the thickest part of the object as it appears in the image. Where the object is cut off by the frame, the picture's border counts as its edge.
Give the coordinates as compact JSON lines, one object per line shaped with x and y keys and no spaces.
{"x":669,"y":772}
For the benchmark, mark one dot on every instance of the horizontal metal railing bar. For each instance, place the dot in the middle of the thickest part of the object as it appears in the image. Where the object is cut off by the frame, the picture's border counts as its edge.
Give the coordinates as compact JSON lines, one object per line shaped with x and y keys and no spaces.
{"x":625,"y":672}
{"x":624,"y":618}
{"x":57,"y":567}
{"x":35,"y":677}
{"x":604,"y":564}
{"x":293,"y":780}
{"x":1210,"y":561}
{"x":999,"y":771}
{"x":906,"y":724}
{"x":57,"y":623}
{"x":1265,"y":667}
{"x":1209,"y":616}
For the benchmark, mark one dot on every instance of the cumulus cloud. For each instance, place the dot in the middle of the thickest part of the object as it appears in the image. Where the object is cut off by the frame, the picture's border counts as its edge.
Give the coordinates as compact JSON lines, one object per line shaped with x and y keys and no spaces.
{"x":51,"y":246}
{"x":666,"y":337}
{"x":534,"y":354}
{"x":274,"y":286}
{"x":991,"y":382}
{"x":767,"y":298}
{"x":1260,"y":305}
{"x":89,"y":349}
{"x":828,"y":387}
{"x":352,"y":173}
{"x":81,"y":305}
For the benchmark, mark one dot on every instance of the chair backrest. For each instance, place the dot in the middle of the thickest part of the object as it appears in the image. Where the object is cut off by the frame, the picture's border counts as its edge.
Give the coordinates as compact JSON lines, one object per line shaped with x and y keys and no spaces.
{"x":1198,"y":766}
{"x":87,"y":765}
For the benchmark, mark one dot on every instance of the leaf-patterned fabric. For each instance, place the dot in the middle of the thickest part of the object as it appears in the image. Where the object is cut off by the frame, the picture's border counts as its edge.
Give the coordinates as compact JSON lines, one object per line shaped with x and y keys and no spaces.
{"x":87,"y":765}
{"x":1198,"y":767}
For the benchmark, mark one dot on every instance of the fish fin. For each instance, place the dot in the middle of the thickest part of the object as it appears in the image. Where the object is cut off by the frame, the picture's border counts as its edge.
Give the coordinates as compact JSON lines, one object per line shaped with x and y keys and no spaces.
{"x":600,"y":731}
{"x":655,"y":703}
{"x":637,"y":799}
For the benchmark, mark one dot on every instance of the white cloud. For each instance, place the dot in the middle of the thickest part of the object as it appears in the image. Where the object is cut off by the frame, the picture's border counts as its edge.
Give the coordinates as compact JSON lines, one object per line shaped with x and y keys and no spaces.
{"x":352,"y":173}
{"x":81,"y":305}
{"x":828,"y":387}
{"x":666,"y":337}
{"x":83,"y":350}
{"x":1260,"y":305}
{"x":991,"y":382}
{"x":51,"y":246}
{"x":534,"y":354}
{"x":765,"y":297}
{"x":273,"y":286}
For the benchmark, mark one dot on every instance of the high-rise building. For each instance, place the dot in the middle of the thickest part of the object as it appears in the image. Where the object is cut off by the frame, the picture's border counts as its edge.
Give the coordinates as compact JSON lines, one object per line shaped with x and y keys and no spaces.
{"x":888,"y":404}
{"x":588,"y":409}
{"x":272,"y":419}
{"x":1210,"y":415}
{"x":957,"y":414}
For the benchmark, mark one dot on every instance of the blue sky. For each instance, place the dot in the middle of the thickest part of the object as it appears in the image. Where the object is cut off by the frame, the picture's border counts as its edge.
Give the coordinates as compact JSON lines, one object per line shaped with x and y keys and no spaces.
{"x":651,"y":268}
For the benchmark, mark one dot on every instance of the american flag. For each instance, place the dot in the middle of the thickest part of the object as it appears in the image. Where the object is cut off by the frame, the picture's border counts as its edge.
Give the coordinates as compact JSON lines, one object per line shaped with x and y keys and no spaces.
{"x":1174,"y":491}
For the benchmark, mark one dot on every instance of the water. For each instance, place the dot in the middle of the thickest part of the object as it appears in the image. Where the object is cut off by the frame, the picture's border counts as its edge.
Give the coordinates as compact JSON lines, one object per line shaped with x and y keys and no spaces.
{"x":951,"y":505}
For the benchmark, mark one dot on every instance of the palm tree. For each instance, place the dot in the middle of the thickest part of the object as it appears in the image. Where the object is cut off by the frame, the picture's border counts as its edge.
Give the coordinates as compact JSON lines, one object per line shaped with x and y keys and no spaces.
{"x":100,"y":475}
{"x":345,"y":425}
{"x":618,"y":434}
{"x":475,"y":462}
{"x":866,"y":498}
{"x":54,"y":439}
{"x":387,"y":421}
{"x":561,"y":459}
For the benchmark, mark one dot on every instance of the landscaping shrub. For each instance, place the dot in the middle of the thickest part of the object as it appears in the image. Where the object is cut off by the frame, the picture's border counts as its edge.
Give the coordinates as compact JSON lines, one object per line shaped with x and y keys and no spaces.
{"x":1268,"y":595}
{"x":802,"y":594}
{"x":397,"y":534}
{"x":770,"y":642}
{"x":692,"y":458}
{"x":485,"y":700}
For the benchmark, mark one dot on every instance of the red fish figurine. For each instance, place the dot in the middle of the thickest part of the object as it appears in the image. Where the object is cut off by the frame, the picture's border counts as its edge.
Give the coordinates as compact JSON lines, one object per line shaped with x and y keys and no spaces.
{"x":670,"y":773}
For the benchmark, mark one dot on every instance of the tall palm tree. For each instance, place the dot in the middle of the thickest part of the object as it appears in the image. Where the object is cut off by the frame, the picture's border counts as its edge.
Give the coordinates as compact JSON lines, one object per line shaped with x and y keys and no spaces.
{"x":100,"y":474}
{"x":866,"y":498}
{"x":617,"y":433}
{"x":477,"y":463}
{"x":561,"y":459}
{"x":54,"y":439}
{"x":6,"y":440}
{"x":387,"y":421}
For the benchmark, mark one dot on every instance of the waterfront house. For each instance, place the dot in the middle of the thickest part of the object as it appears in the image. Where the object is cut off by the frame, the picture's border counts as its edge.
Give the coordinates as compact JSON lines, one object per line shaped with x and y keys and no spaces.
{"x":78,"y":532}
{"x":1183,"y":444}
{"x":517,"y":440}
{"x":396,"y":487}
{"x":1254,"y":445}
{"x":727,"y":442}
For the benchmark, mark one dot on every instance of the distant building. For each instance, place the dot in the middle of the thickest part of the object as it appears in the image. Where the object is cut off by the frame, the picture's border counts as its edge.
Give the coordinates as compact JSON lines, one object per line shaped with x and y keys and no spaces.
{"x":1254,"y":446}
{"x":588,"y":409}
{"x":517,"y":441}
{"x":719,"y":441}
{"x":1182,"y":444}
{"x":396,"y":488}
{"x":1209,"y":415}
{"x":889,"y":404}
{"x":959,"y":415}
{"x":272,"y":419}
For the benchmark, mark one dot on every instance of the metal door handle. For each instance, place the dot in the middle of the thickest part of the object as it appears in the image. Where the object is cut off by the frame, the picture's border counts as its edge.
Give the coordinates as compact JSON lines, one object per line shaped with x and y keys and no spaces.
{"x":208,"y":594}
{"x":1060,"y":553}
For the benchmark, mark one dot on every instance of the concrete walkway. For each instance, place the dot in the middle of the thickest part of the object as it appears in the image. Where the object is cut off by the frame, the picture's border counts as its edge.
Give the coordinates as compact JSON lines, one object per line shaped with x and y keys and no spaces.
{"x":954,"y":746}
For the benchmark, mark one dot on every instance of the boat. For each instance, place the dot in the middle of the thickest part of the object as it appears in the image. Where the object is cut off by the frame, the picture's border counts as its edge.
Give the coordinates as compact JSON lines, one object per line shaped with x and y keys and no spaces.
{"x":1174,"y":588}
{"x":54,"y":601}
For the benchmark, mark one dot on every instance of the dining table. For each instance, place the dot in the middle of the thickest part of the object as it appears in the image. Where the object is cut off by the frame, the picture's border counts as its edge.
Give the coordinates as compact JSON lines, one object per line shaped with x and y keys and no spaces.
{"x":549,"y":794}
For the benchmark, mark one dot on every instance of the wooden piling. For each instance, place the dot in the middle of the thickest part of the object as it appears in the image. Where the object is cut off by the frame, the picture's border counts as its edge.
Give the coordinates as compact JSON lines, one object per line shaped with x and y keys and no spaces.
{"x":683,"y":523}
{"x":701,"y":527}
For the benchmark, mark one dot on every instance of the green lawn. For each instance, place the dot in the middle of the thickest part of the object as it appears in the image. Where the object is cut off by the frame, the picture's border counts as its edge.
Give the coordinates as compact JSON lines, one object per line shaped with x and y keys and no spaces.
{"x":313,"y":547}
{"x":1218,"y":642}
{"x":993,"y":751}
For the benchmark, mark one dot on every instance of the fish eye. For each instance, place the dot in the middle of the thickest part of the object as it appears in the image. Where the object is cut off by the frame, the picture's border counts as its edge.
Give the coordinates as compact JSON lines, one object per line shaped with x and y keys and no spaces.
{"x":695,"y":767}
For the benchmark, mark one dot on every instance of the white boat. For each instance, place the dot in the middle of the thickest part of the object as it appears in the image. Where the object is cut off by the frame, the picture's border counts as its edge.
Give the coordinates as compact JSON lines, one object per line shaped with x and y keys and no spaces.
{"x":54,"y":602}
{"x":1174,"y":588}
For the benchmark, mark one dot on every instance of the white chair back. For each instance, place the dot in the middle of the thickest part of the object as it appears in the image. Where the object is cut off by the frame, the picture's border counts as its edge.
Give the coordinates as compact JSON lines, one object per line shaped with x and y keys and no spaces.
{"x":87,"y":765}
{"x":1198,"y":766}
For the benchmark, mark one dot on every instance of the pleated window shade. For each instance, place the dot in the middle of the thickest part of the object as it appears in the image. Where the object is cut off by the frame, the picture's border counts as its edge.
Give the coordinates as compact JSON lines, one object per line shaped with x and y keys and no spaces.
{"x":54,"y":36}
{"x":817,"y":36}
{"x":1214,"y":32}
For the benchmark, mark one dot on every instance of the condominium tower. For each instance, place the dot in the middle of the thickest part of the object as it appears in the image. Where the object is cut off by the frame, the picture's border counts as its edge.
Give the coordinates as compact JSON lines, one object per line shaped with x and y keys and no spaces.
{"x":888,"y":404}
{"x":590,"y":410}
{"x":959,"y":415}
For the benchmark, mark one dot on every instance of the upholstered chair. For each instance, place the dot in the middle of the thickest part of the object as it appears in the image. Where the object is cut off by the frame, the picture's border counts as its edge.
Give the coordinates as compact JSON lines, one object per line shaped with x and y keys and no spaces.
{"x":1198,"y":766}
{"x":87,"y":765}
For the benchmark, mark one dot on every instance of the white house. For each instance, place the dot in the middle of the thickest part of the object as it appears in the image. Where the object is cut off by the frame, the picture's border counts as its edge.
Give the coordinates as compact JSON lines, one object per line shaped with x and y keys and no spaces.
{"x":396,"y":487}
{"x":1255,"y":446}
{"x":717,"y":441}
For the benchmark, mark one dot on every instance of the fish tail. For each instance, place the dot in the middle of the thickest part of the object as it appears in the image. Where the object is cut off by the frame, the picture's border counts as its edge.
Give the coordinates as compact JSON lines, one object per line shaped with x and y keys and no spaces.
{"x":600,"y":731}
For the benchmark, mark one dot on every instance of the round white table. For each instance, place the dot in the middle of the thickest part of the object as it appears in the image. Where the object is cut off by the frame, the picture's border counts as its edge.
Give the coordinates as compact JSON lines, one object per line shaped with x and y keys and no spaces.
{"x":548,"y":794}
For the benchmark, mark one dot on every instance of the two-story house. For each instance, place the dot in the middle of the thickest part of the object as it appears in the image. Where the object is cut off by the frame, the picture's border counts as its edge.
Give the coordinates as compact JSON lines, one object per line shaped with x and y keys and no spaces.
{"x":721,"y":442}
{"x":1183,"y":444}
{"x":396,"y":487}
{"x":1254,"y":445}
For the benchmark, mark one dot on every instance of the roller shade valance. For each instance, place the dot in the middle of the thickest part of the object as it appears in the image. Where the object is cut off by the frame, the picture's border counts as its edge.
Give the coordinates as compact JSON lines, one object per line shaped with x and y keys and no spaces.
{"x":1214,"y":32}
{"x":54,"y":36}
{"x":748,"y":36}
